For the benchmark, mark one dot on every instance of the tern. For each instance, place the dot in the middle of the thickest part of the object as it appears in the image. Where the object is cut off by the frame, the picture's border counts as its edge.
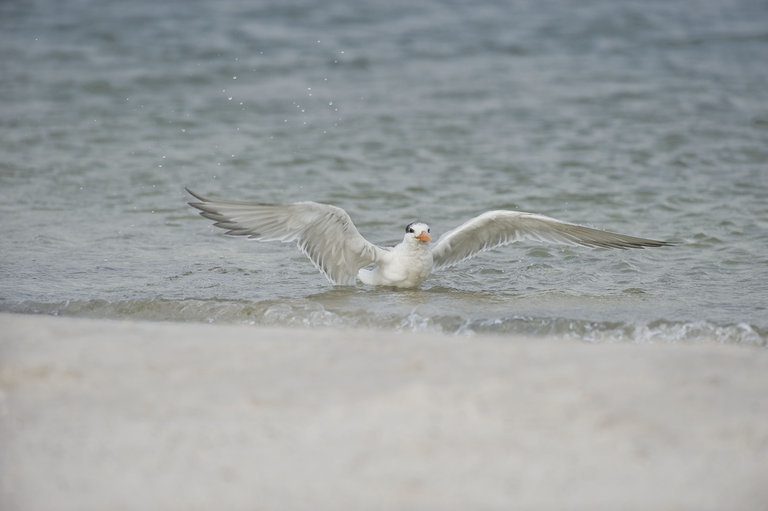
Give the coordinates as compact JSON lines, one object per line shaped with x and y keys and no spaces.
{"x":327,"y":236}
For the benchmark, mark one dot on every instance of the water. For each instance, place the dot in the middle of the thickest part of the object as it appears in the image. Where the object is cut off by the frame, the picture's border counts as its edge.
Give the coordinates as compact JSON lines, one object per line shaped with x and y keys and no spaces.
{"x":648,"y":118}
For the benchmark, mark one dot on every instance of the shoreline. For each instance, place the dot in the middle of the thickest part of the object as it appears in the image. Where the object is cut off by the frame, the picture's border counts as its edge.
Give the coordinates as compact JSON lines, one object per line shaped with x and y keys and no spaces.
{"x":114,"y":414}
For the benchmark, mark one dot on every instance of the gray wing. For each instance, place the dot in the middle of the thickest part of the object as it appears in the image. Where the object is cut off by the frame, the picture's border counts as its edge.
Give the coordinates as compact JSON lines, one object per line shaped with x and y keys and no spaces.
{"x":496,"y":228}
{"x":324,"y":233}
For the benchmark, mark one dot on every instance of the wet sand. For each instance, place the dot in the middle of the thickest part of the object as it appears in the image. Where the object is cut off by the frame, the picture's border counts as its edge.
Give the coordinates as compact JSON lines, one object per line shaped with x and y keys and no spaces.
{"x":98,"y":414}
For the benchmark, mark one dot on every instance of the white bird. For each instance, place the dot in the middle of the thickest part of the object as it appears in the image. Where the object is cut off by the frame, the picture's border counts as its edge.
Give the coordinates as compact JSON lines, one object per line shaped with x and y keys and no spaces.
{"x":328,"y":237}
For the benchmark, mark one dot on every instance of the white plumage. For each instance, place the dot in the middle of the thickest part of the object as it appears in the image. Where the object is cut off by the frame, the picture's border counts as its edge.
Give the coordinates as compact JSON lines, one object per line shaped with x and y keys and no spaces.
{"x":328,"y":237}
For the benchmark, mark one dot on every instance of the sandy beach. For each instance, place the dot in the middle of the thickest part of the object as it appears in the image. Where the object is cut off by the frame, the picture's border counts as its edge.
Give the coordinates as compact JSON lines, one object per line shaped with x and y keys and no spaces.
{"x":99,"y":414}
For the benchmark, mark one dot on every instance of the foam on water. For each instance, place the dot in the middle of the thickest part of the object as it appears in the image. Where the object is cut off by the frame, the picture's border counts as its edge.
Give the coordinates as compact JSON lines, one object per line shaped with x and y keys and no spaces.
{"x":311,"y":314}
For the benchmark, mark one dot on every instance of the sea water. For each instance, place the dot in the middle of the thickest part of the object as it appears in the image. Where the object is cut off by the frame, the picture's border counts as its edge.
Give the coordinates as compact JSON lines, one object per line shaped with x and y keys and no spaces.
{"x":647,"y":118}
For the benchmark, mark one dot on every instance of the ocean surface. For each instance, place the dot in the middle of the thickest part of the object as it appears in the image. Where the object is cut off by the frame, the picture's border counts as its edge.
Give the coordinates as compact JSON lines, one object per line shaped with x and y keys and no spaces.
{"x":648,"y":118}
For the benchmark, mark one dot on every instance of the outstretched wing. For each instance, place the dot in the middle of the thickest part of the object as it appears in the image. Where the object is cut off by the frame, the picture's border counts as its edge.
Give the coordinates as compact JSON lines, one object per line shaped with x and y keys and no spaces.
{"x":495,"y":228}
{"x":324,"y":233}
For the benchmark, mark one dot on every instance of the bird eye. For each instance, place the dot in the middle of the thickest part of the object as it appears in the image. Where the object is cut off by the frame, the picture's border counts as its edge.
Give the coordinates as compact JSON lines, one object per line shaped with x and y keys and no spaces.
{"x":409,"y":229}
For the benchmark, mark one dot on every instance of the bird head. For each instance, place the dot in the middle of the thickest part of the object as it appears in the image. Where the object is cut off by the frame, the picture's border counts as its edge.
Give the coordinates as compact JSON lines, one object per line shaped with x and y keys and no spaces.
{"x":418,"y":231}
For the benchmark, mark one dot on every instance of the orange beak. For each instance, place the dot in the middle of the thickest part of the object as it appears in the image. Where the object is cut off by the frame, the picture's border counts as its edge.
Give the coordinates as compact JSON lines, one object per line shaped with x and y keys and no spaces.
{"x":424,"y":236}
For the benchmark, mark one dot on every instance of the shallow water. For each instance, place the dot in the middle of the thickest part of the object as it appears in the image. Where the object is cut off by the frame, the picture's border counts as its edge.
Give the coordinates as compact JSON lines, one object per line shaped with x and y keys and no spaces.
{"x":647,"y":118}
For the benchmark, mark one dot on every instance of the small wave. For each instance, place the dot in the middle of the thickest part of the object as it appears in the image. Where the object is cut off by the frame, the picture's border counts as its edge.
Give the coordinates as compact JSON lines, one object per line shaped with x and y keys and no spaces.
{"x":311,"y":314}
{"x":635,"y":332}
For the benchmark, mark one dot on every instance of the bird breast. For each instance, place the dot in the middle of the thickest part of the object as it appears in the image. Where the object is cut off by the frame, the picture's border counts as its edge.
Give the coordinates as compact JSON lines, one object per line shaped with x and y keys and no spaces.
{"x":403,"y":266}
{"x":410,"y":266}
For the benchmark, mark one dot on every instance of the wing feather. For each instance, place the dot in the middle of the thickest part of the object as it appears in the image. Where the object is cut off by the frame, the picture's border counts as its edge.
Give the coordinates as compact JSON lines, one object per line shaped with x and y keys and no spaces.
{"x":324,"y":233}
{"x":496,"y":228}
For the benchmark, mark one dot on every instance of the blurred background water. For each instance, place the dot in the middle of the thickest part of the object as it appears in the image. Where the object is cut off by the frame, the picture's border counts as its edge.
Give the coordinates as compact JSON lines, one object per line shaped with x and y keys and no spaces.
{"x":643,"y":117}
